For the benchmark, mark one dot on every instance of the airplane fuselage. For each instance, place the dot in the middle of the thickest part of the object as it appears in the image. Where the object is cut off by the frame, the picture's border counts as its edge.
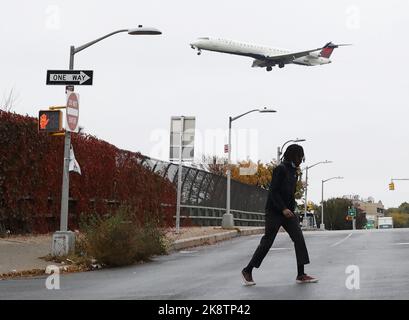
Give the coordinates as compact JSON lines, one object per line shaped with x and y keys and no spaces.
{"x":263,"y":55}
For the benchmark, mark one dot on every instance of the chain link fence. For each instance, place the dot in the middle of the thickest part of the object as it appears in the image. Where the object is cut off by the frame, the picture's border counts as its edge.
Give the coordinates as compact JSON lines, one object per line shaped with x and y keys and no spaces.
{"x":203,"y":197}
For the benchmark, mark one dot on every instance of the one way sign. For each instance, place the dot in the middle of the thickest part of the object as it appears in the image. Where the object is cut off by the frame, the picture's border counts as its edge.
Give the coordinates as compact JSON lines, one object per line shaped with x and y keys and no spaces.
{"x":69,"y":77}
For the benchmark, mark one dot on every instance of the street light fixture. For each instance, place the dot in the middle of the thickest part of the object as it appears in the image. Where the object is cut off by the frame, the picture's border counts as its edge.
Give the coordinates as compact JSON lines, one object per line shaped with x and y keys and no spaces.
{"x":306,"y":187}
{"x":67,"y":140}
{"x":228,"y":221}
{"x":141,"y":30}
{"x":280,"y":150}
{"x":322,"y":226}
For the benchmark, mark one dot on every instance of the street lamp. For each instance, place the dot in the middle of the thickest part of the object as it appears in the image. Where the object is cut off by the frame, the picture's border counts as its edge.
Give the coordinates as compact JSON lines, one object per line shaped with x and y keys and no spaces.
{"x":280,"y":150}
{"x":228,"y":221}
{"x":322,"y":226}
{"x":140,"y":30}
{"x":306,"y":187}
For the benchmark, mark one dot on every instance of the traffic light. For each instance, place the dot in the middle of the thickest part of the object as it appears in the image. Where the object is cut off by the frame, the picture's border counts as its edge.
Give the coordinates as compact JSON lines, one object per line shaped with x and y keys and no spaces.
{"x":49,"y":121}
{"x":391,"y":186}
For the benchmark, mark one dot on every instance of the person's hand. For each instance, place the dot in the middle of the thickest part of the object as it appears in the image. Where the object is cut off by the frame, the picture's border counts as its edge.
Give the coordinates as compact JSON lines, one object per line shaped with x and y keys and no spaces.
{"x":288,"y":213}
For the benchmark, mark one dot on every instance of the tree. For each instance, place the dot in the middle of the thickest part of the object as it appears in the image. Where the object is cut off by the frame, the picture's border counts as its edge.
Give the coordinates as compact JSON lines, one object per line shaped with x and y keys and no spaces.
{"x":248,"y":172}
{"x":403,"y":208}
{"x":214,"y":164}
{"x":400,"y":220}
{"x":256,"y":174}
{"x":9,"y":101}
{"x":335,"y":213}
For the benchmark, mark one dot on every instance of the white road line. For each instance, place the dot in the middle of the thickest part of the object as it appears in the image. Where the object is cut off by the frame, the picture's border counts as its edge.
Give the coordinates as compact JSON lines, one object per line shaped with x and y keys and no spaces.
{"x":401,"y":243}
{"x":277,"y":249}
{"x":335,"y":244}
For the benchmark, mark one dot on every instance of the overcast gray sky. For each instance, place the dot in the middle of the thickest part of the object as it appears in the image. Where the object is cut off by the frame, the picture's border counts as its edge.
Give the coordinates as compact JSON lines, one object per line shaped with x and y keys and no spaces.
{"x":353,"y":111}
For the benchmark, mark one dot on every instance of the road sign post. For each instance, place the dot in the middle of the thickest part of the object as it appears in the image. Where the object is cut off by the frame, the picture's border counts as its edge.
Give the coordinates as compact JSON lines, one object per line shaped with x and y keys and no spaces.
{"x":181,"y":149}
{"x":64,"y":240}
{"x":352,"y":216}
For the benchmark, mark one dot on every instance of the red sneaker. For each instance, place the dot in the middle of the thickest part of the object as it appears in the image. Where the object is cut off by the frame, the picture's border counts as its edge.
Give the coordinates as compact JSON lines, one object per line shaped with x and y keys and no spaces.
{"x":247,"y":278}
{"x":306,"y":279}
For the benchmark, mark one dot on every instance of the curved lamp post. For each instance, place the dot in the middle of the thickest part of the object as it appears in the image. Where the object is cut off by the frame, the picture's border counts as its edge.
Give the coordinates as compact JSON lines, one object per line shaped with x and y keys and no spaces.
{"x":140,"y":30}
{"x":322,"y":226}
{"x":280,"y":150}
{"x":228,"y":221}
{"x":306,"y":187}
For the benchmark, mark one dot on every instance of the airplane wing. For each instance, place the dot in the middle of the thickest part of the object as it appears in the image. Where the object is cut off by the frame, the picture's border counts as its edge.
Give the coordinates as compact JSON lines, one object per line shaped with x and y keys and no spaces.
{"x":290,"y":56}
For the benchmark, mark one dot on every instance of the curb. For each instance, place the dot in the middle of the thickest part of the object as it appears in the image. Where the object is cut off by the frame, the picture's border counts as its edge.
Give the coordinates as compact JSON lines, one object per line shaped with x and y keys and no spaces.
{"x":36,"y":272}
{"x":214,"y":238}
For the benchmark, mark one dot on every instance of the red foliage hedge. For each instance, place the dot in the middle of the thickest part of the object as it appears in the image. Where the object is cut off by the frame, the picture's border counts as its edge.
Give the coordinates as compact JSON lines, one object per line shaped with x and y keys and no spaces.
{"x":31,"y":179}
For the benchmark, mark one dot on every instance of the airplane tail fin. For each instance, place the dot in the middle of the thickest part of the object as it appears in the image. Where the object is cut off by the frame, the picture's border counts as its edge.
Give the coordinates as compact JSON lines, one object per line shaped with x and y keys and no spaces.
{"x":329,"y":48}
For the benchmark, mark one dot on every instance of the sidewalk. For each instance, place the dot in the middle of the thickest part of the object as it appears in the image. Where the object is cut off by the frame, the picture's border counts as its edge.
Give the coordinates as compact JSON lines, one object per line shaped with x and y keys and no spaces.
{"x":21,"y":253}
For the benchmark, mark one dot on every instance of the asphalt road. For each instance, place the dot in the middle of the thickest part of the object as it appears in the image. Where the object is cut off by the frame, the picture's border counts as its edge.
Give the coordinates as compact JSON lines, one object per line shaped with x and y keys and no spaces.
{"x":213,"y":272}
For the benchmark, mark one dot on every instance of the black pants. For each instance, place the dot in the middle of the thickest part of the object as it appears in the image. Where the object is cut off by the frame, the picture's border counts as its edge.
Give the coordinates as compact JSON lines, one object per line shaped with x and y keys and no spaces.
{"x":273,"y":223}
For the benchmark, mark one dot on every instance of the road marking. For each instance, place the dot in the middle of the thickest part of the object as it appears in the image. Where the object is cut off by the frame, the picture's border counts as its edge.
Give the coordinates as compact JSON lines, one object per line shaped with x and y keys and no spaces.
{"x":277,"y":249}
{"x":337,"y":243}
{"x":401,"y":243}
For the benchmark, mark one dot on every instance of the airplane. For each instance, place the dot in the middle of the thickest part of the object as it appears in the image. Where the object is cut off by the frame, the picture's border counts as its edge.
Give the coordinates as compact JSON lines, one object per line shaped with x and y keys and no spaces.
{"x":267,"y":57}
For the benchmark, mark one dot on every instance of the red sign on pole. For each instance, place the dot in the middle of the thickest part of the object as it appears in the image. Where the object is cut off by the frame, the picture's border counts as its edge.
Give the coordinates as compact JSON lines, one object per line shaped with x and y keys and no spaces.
{"x":72,"y":113}
{"x":226,"y":148}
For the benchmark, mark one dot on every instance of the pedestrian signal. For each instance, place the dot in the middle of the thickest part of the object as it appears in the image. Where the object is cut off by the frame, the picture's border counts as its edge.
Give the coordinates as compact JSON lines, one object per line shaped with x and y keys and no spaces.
{"x":391,"y":186}
{"x":49,"y":121}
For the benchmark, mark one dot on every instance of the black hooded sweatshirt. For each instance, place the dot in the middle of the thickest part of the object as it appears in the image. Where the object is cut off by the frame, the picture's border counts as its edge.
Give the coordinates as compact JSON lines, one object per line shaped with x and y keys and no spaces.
{"x":283,"y":184}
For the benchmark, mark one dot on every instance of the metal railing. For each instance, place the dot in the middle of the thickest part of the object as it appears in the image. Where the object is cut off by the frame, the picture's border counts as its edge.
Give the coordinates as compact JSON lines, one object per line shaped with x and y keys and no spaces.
{"x":210,"y":216}
{"x":204,"y":195}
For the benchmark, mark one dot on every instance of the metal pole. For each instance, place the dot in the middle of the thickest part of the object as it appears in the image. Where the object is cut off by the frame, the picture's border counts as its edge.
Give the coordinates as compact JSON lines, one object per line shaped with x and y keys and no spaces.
{"x":354,"y":224}
{"x":179,"y":193}
{"x":305,"y":205}
{"x":278,"y":155}
{"x":228,"y":221}
{"x":228,"y":170}
{"x":66,"y":173}
{"x":322,"y":226}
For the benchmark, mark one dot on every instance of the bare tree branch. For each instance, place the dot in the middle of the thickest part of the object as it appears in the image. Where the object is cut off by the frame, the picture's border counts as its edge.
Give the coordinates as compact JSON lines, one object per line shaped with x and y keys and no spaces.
{"x":9,"y":101}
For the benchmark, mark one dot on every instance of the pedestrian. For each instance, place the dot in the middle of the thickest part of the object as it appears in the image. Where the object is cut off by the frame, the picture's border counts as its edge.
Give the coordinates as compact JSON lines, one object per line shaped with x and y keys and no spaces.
{"x":279,"y":211}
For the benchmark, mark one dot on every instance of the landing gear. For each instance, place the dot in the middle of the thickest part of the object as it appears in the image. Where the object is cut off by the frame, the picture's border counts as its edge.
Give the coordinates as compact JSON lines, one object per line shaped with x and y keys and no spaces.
{"x":269,"y":68}
{"x":281,"y":65}
{"x":199,"y":52}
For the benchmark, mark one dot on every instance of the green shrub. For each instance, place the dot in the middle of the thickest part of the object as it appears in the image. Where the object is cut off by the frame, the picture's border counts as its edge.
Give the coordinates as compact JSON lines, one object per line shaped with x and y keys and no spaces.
{"x":119,"y":239}
{"x":151,"y":241}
